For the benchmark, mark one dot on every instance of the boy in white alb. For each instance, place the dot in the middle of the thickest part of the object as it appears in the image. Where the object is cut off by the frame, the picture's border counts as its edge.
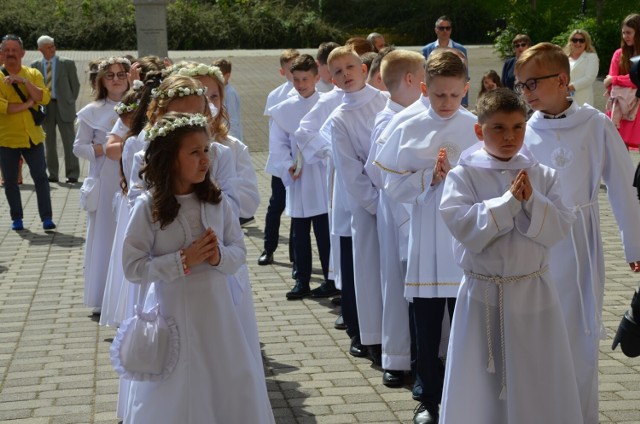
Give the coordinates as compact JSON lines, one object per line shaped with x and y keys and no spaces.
{"x":277,"y":201}
{"x":584,"y":146}
{"x":415,"y":160}
{"x":351,"y":126}
{"x":402,"y":72}
{"x":305,"y":183}
{"x":509,"y":359}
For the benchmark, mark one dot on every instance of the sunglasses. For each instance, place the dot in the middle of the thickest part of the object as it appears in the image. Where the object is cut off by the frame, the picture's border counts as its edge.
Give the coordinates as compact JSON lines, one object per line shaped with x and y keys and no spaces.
{"x":443,"y":28}
{"x":516,"y":45}
{"x":112,"y":75}
{"x":531,"y":84}
{"x":578,"y":40}
{"x":12,"y":37}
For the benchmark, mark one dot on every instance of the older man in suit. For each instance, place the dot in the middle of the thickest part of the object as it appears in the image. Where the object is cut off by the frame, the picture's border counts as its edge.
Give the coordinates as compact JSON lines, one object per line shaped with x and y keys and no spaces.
{"x":61,"y":77}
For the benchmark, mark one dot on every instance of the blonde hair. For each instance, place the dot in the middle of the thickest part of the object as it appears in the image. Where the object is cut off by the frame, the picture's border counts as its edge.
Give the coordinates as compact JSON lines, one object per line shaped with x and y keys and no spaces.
{"x":396,"y":64}
{"x":158,"y":106}
{"x":588,"y":45}
{"x":288,"y":55}
{"x":339,"y":52}
{"x":546,"y":55}
{"x":445,"y":63}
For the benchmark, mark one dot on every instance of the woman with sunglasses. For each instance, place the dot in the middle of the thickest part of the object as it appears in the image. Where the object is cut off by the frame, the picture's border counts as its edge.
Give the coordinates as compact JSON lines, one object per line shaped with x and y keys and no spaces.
{"x":584,"y":63}
{"x":520,"y":43}
{"x":619,"y":81}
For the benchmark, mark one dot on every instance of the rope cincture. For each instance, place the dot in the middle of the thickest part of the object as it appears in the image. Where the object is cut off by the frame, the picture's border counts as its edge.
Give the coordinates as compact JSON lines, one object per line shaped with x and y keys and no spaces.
{"x":499,"y":281}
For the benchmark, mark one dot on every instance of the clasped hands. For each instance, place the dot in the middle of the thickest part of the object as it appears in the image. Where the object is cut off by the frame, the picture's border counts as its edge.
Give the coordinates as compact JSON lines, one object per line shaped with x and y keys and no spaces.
{"x":203,"y":249}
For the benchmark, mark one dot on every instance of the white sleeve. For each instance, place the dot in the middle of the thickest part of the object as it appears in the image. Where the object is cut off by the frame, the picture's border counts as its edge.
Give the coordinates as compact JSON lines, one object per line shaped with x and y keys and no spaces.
{"x":280,"y":153}
{"x":82,"y":145}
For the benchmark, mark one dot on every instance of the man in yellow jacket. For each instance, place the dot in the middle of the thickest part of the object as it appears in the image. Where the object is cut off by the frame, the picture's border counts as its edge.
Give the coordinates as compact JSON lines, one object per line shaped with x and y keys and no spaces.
{"x":19,"y":135}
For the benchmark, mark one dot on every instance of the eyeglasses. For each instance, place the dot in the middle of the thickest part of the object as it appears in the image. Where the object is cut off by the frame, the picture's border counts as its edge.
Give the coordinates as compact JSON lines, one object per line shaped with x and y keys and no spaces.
{"x":578,"y":40}
{"x":443,"y":28}
{"x":12,"y":37}
{"x":531,"y":83}
{"x":516,"y":45}
{"x":112,"y":75}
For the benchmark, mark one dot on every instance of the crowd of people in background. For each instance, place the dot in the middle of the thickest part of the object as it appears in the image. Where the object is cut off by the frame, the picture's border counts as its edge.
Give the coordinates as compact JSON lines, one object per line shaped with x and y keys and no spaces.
{"x":422,"y":211}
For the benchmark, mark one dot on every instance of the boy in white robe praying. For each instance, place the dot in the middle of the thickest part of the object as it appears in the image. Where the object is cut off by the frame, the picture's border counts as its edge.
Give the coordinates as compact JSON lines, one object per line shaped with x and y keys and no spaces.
{"x":351,"y":129}
{"x":585,"y":148}
{"x":403,"y":73}
{"x":509,"y":359}
{"x":305,"y":183}
{"x":415,"y":159}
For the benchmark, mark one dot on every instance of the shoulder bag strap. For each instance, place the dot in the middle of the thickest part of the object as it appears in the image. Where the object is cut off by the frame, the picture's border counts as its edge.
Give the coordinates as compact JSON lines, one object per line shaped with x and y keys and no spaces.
{"x":15,"y":86}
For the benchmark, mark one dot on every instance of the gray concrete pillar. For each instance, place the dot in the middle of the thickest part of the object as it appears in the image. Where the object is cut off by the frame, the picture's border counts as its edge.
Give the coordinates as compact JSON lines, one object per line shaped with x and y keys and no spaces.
{"x":151,"y":27}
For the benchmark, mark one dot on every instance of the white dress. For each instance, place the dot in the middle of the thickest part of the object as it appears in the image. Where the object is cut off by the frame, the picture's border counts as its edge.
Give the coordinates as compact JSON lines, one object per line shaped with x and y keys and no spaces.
{"x":509,"y":359}
{"x":584,"y":71}
{"x":585,"y":148}
{"x":95,"y":120}
{"x":216,"y":380}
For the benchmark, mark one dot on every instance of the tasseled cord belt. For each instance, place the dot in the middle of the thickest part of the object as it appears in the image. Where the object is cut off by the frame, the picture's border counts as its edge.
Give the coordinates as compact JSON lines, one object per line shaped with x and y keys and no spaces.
{"x":500,"y":281}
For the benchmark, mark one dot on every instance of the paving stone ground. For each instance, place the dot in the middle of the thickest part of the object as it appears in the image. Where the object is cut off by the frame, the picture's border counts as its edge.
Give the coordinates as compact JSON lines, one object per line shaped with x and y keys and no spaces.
{"x":54,"y":358}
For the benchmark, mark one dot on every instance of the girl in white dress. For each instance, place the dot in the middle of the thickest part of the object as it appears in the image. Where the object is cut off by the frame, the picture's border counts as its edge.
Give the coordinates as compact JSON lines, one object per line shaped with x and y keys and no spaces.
{"x":184,"y":237}
{"x":94,"y":122}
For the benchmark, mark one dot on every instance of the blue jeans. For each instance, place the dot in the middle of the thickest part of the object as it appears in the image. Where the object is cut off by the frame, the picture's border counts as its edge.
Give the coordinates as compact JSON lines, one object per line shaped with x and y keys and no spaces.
{"x":9,"y":162}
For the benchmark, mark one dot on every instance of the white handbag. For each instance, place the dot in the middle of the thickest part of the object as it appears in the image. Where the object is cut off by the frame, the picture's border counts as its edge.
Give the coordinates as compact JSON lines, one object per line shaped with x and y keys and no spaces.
{"x":89,"y":194}
{"x":147,"y":345}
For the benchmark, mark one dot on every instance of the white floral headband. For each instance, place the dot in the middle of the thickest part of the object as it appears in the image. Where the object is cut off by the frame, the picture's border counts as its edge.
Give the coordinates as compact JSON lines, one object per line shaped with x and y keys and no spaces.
{"x":199,"y":70}
{"x":121,"y":108}
{"x":162,"y":129}
{"x":112,"y":61}
{"x":156,"y":93}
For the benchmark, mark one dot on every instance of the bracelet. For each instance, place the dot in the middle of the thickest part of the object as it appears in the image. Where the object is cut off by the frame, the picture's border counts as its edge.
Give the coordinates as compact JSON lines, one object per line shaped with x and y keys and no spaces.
{"x":183,"y":259}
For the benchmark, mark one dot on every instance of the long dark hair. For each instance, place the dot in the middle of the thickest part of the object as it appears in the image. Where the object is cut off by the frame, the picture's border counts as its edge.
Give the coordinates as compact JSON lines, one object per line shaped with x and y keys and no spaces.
{"x":159,"y":172}
{"x":632,"y":21}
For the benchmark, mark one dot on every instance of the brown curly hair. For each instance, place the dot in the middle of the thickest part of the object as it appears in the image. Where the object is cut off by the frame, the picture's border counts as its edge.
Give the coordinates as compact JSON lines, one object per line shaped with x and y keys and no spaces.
{"x":159,"y":171}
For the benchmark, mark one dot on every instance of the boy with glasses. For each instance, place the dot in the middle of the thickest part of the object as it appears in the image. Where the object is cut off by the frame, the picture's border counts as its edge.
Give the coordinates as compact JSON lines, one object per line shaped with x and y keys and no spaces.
{"x":443,"y":31}
{"x":584,"y":147}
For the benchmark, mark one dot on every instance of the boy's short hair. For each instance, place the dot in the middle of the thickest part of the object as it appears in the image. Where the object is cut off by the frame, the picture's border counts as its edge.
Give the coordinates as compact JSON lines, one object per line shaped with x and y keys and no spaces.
{"x":396,"y":64}
{"x":499,"y":100}
{"x":223,"y":64}
{"x":375,"y":64}
{"x":341,"y":52}
{"x":304,"y":62}
{"x":359,"y":45}
{"x":368,"y":59}
{"x":323,"y":51}
{"x":546,"y":55}
{"x":445,"y":63}
{"x":287,"y":55}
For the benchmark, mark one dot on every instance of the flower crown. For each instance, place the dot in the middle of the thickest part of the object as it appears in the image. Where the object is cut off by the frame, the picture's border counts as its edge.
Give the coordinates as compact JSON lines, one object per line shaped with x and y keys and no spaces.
{"x":156,"y":93}
{"x":163,"y":129}
{"x":121,"y":108}
{"x":112,"y":61}
{"x":199,"y":70}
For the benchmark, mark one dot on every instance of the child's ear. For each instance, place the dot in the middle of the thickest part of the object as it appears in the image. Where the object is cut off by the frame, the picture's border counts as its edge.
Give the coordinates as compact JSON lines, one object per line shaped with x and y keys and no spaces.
{"x":466,"y":88}
{"x":317,"y":78}
{"x":423,"y":88}
{"x":281,"y":71}
{"x":564,"y":79}
{"x":477,"y":128}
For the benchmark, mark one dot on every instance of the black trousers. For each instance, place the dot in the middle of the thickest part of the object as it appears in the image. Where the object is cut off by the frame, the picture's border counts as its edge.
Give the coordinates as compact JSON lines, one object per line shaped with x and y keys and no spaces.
{"x":348,"y":303}
{"x":277,"y":203}
{"x":427,"y":319}
{"x":302,"y":245}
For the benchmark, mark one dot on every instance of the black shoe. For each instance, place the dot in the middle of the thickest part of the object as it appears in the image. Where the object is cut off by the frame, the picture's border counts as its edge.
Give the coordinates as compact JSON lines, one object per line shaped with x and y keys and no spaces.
{"x":357,"y":349}
{"x":393,"y":378}
{"x":339,"y":324}
{"x":426,"y":413}
{"x":375,"y":354}
{"x":53,"y":180}
{"x":326,"y":289}
{"x":246,"y":221}
{"x":336,"y":301}
{"x":72,"y":180}
{"x":266,"y":258}
{"x":299,"y":291}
